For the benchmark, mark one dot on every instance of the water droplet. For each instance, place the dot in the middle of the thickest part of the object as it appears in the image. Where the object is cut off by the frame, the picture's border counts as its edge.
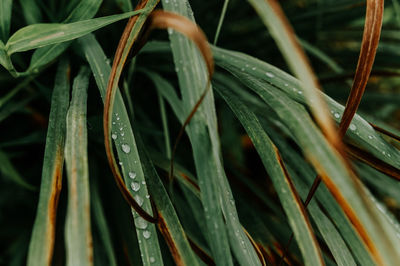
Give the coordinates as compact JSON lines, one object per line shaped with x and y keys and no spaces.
{"x":300,"y":92}
{"x":139,"y":200}
{"x":135,"y":186}
{"x":269,"y":74}
{"x":132,"y":175}
{"x":113,"y":123}
{"x":126,"y":148}
{"x":147,"y":196}
{"x":144,"y":182}
{"x":370,"y":137}
{"x":122,"y":134}
{"x":170,"y":31}
{"x":114,"y":136}
{"x":121,"y":128}
{"x":286,"y":85}
{"x":247,"y":65}
{"x":353,"y":127}
{"x":254,"y":68}
{"x":384,"y":153}
{"x":146,"y":234}
{"x":152,"y":260}
{"x":140,"y":223}
{"x":118,"y":118}
{"x":242,"y":69}
{"x":337,"y":115}
{"x":120,"y":163}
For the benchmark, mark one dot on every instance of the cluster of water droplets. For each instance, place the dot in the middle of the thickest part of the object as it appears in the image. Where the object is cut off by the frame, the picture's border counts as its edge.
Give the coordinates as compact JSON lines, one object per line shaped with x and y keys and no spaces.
{"x":114,"y":135}
{"x":135,"y":185}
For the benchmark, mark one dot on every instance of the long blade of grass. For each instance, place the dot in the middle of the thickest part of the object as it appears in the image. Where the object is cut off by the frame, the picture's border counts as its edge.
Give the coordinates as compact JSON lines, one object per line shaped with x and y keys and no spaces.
{"x":372,"y":30}
{"x":168,"y":224}
{"x":331,"y":207}
{"x":43,"y":234}
{"x":5,"y":18}
{"x":128,"y":38}
{"x":129,"y":161}
{"x":39,"y":35}
{"x":216,"y":194}
{"x":369,"y":45}
{"x":273,"y":163}
{"x":221,"y":21}
{"x":78,"y":224}
{"x":279,"y":26}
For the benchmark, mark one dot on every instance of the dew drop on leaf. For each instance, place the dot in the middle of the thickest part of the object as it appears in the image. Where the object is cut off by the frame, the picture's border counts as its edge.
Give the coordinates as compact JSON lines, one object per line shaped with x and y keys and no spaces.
{"x":132,"y":175}
{"x":146,"y":234}
{"x":126,"y":148}
{"x":140,"y":223}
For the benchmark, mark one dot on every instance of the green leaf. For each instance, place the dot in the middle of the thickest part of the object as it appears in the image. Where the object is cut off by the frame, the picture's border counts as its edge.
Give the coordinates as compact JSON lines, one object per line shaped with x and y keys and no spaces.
{"x":344,"y":226}
{"x":129,"y":161}
{"x":78,"y":224}
{"x":5,"y":18}
{"x":169,"y":223}
{"x":43,"y":234}
{"x":203,"y":134}
{"x":39,"y":35}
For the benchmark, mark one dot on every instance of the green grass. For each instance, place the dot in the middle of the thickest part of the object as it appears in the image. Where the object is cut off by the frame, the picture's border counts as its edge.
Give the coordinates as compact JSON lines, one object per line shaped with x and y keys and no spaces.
{"x":77,"y":89}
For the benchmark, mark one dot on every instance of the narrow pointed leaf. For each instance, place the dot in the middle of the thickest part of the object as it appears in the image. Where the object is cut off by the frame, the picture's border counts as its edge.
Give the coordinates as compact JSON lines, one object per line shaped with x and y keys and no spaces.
{"x":43,"y":234}
{"x":130,"y":161}
{"x":39,"y":35}
{"x":78,"y":235}
{"x":216,"y":193}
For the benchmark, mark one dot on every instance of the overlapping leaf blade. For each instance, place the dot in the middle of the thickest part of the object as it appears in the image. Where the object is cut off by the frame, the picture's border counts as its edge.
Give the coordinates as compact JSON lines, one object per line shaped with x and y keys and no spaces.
{"x":202,"y":131}
{"x":130,"y":161}
{"x":283,"y":185}
{"x":39,"y":35}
